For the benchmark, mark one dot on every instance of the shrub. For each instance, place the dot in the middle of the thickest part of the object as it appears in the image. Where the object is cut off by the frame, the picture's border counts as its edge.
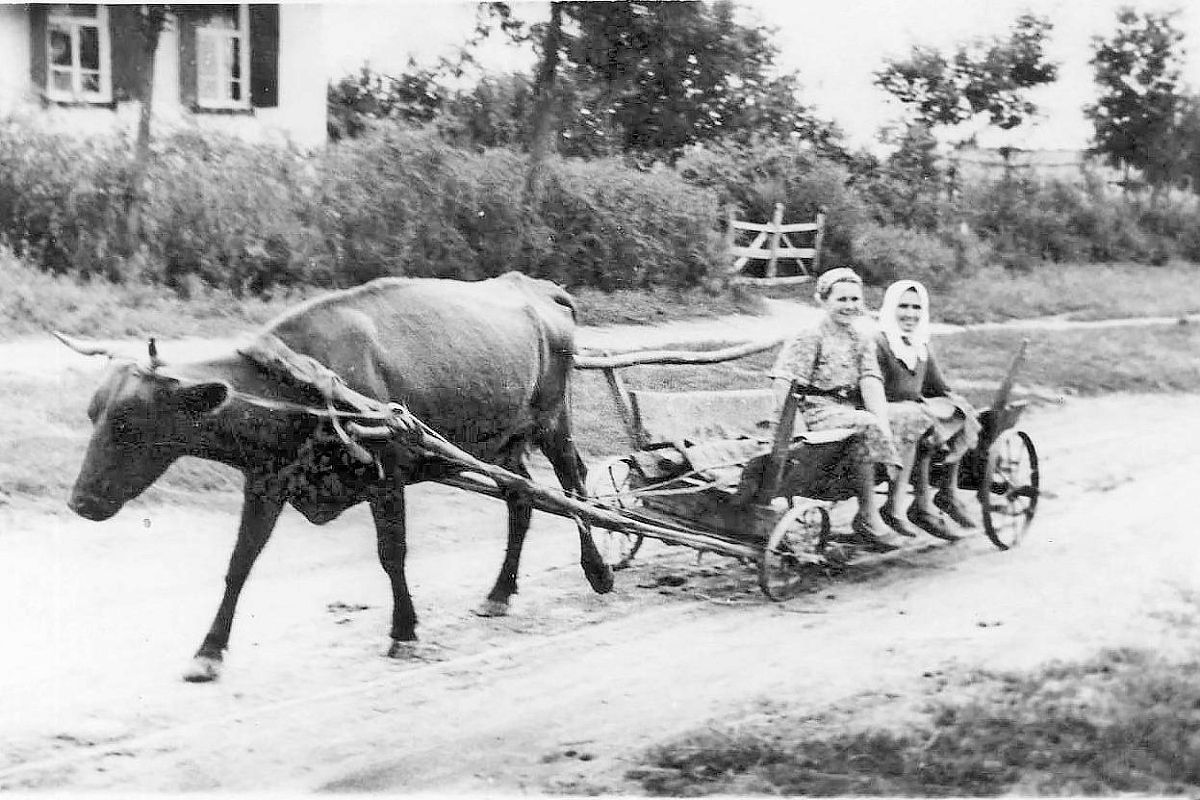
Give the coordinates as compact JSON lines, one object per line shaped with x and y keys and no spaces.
{"x":883,"y":254}
{"x":222,"y":213}
{"x":61,"y":198}
{"x":230,"y":214}
{"x":403,"y":203}
{"x":615,"y":228}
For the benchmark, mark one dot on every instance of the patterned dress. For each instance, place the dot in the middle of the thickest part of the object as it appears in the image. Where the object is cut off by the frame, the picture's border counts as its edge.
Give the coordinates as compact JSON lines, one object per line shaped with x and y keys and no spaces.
{"x":952,"y":421}
{"x":835,"y":357}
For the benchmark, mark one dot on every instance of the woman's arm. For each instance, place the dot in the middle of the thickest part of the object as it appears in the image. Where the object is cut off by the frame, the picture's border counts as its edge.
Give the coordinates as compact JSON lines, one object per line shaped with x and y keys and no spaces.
{"x":875,"y":401}
{"x":870,"y":384}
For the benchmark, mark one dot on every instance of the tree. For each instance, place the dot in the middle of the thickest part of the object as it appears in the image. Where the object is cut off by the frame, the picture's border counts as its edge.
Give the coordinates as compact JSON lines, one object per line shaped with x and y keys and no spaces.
{"x":671,"y":74}
{"x":1140,"y":115}
{"x":657,"y":77}
{"x":986,"y":77}
{"x":416,"y":96}
{"x":540,"y":140}
{"x":151,"y":20}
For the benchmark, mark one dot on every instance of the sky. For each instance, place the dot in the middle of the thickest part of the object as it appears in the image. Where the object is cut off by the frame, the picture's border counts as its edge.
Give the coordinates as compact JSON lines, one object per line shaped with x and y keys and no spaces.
{"x":835,"y":45}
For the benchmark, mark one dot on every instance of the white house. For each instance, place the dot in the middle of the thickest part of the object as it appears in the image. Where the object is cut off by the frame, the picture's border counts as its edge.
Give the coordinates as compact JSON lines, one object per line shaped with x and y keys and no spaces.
{"x":253,"y":70}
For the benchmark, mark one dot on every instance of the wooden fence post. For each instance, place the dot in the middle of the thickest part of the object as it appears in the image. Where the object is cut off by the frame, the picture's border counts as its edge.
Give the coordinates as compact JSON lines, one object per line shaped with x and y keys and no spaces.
{"x":776,"y":224}
{"x":818,"y":239}
{"x":730,"y":230}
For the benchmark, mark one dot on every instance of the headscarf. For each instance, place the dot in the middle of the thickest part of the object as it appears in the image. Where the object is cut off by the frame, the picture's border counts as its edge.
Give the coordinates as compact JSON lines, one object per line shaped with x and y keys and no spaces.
{"x":917,"y":346}
{"x":836,"y":275}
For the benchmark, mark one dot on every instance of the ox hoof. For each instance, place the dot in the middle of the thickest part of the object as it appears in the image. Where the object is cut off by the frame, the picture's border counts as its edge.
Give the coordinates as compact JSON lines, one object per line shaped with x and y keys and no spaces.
{"x":600,"y":577}
{"x":203,"y":669}
{"x":492,"y":608}
{"x":400,"y":649}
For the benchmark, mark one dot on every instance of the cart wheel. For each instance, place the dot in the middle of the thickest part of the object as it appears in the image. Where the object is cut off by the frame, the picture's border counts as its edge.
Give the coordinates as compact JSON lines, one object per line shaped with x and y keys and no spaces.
{"x":1008,"y":493}
{"x":611,"y":483}
{"x":794,"y":543}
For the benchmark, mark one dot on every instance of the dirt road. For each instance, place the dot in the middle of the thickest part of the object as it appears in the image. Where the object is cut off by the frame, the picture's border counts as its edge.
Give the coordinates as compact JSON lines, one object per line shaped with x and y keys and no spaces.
{"x":101,"y":619}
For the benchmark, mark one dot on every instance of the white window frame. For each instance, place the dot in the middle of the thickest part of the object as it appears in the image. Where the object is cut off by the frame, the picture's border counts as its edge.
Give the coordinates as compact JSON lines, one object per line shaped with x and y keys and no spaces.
{"x":60,"y":16}
{"x":219,"y":40}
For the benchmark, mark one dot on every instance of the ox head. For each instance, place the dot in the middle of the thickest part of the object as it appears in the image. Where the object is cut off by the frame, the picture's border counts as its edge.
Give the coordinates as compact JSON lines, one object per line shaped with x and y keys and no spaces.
{"x":142,"y":420}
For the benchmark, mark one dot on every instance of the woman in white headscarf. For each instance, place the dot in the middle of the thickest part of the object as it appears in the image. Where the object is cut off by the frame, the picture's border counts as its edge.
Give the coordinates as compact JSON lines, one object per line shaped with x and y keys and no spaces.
{"x":924,"y":413}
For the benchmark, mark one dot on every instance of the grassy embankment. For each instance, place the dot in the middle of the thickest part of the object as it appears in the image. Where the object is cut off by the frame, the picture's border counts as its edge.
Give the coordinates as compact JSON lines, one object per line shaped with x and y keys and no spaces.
{"x":1125,"y":721}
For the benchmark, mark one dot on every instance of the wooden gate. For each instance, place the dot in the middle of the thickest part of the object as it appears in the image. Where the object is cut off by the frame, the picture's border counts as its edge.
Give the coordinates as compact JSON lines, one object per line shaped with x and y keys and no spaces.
{"x":772,"y":243}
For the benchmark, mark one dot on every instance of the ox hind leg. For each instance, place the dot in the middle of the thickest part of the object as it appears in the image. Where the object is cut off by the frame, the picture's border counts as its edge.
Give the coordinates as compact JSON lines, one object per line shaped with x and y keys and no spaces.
{"x":559,"y":447}
{"x":260,"y":511}
{"x":520,"y":511}
{"x":388,"y":510}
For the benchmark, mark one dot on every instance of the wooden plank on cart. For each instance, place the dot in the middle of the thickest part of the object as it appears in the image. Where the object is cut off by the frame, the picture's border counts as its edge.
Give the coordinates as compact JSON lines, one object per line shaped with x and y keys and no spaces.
{"x":698,"y":416}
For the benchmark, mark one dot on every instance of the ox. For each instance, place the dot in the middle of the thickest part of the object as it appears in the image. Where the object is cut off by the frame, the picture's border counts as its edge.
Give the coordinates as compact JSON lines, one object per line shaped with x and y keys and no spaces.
{"x":486,"y":364}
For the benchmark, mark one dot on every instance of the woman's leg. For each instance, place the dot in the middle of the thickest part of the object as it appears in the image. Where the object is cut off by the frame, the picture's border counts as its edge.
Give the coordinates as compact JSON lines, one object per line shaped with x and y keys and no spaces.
{"x":947,"y":499}
{"x":923,"y":512}
{"x":922,"y":491}
{"x":868,"y":525}
{"x":891,"y":512}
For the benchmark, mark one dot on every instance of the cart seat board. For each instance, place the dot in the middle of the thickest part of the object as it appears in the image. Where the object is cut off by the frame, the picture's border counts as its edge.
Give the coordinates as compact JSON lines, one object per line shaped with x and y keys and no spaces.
{"x":661,"y":417}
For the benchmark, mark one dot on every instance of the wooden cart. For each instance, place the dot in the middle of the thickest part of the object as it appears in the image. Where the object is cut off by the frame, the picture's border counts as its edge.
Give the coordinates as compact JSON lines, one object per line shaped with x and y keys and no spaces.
{"x":764,"y":494}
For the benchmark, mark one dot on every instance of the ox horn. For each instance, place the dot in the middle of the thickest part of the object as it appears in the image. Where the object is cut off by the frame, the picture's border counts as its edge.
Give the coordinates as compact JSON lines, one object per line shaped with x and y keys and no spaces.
{"x":81,"y":347}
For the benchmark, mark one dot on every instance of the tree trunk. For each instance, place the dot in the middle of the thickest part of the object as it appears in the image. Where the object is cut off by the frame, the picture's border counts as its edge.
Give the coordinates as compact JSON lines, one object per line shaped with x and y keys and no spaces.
{"x":153,"y":18}
{"x":541,"y":129}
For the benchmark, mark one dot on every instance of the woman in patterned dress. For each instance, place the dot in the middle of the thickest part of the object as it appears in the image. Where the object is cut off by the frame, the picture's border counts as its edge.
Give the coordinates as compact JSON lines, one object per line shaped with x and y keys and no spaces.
{"x":836,"y":357}
{"x":920,"y":402}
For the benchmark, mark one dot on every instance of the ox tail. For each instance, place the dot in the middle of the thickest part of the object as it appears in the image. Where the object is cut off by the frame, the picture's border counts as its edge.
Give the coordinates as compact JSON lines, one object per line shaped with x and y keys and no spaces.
{"x":563,"y":298}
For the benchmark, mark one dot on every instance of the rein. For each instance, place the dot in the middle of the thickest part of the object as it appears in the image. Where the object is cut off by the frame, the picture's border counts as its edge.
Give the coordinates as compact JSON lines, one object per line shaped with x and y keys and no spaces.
{"x":330,"y":412}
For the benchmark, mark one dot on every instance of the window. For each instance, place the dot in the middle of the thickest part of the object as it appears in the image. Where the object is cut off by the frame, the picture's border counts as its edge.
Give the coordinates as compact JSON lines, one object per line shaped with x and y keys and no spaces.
{"x":77,"y":49}
{"x":223,"y":58}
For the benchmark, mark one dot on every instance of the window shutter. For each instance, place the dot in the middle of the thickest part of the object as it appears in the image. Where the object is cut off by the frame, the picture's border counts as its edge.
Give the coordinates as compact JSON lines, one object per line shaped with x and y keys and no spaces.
{"x":187,"y":57}
{"x":37,"y":45}
{"x":264,"y":55}
{"x":124,"y":27}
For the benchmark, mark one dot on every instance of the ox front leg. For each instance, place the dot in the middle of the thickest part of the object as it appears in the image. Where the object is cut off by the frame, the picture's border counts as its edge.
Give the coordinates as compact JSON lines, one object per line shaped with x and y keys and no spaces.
{"x":520,"y":511}
{"x":260,"y":511}
{"x":559,"y":448}
{"x":389,"y":512}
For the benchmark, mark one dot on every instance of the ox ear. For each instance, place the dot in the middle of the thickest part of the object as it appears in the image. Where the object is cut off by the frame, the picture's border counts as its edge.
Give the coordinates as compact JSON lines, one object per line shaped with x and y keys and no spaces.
{"x":203,"y":398}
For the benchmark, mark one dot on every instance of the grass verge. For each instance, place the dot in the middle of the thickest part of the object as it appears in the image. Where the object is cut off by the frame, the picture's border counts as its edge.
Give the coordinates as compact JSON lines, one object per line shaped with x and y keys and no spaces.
{"x":1073,"y":291}
{"x":1078,"y":291}
{"x":36,"y":301}
{"x":1126,"y":721}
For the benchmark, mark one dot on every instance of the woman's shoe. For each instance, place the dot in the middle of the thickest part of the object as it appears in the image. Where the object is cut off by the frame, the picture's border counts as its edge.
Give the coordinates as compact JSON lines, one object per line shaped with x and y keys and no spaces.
{"x":930,"y":524}
{"x":898,"y":525}
{"x":949,"y":505}
{"x":865,"y":537}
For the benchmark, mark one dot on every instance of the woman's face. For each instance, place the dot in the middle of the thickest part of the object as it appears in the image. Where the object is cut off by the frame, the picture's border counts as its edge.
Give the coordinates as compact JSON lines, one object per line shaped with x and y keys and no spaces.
{"x":908,"y":312}
{"x":844,"y":301}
